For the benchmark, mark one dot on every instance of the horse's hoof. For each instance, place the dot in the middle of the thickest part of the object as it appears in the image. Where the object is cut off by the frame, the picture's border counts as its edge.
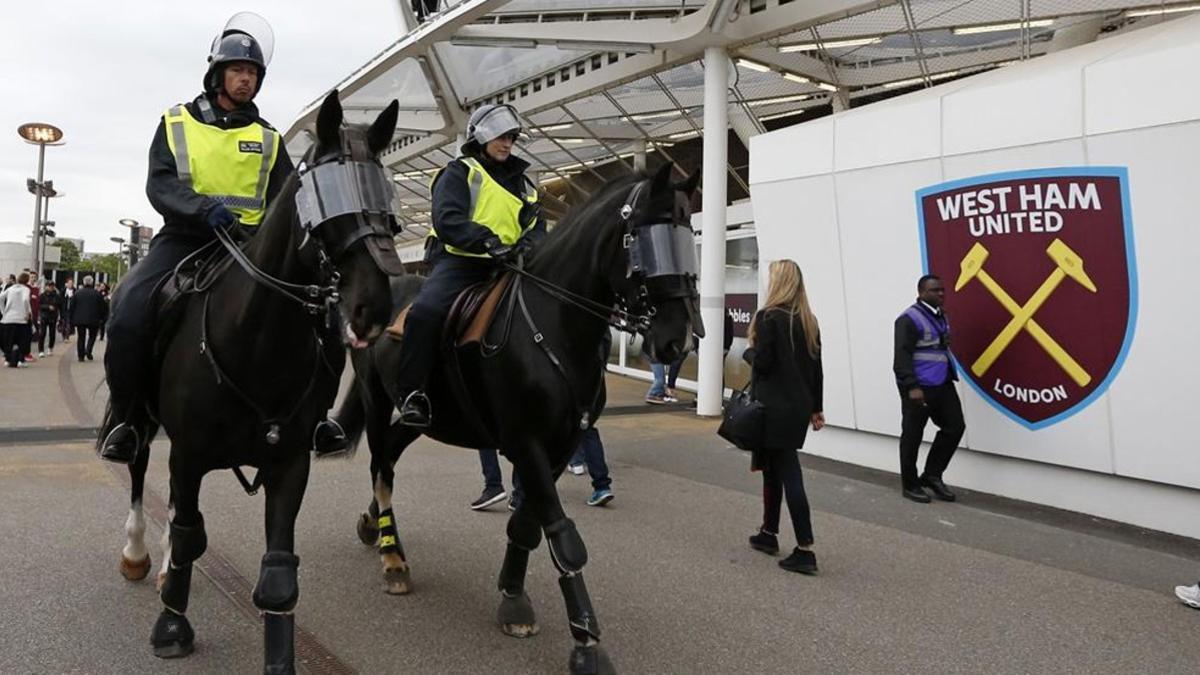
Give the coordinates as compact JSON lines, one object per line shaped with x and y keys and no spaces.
{"x":591,"y":660}
{"x":399,"y":580}
{"x":135,"y":571}
{"x":516,"y":616}
{"x":368,"y":530}
{"x":172,"y":637}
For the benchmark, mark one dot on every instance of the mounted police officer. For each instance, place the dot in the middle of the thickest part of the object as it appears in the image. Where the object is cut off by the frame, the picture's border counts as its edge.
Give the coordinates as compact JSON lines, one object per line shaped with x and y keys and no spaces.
{"x":925,"y":375}
{"x":213,"y":162}
{"x":485,"y":212}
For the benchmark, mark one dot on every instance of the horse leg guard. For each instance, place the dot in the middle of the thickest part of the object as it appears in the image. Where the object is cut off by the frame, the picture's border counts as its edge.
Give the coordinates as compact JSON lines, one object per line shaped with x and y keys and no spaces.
{"x":279,"y":644}
{"x":177,"y":587}
{"x":590,"y":661}
{"x":172,"y":637}
{"x":396,"y":573}
{"x":524,"y":535}
{"x":569,"y":556}
{"x":188,"y":542}
{"x":277,"y":590}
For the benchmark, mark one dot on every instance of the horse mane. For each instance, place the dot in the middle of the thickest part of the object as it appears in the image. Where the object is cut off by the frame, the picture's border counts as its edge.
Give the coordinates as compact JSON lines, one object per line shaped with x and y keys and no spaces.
{"x":565,"y":238}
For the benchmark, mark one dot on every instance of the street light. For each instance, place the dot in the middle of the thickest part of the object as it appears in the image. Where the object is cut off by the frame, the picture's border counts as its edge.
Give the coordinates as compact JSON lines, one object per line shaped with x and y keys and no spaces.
{"x":49,"y":193}
{"x":134,"y":238}
{"x":120,"y":242}
{"x":41,"y":135}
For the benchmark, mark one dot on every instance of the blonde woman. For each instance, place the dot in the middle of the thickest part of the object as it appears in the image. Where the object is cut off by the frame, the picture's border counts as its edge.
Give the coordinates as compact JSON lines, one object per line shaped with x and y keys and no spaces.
{"x":786,"y":376}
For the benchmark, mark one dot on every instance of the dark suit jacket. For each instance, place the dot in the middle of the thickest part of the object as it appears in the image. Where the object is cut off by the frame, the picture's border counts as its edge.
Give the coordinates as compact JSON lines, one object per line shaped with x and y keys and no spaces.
{"x":786,"y":378}
{"x":88,"y":308}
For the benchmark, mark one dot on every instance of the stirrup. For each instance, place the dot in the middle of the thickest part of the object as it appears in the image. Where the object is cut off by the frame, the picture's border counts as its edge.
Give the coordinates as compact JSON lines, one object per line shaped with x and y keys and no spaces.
{"x":334,"y":444}
{"x":415,"y":411}
{"x":119,"y":453}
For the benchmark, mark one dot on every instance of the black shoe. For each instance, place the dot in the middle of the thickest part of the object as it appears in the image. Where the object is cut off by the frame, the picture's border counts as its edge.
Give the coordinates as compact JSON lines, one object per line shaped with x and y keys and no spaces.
{"x":939,"y":489}
{"x":801,"y":560}
{"x":329,"y":440}
{"x":916,"y":494}
{"x":489,"y":497}
{"x":89,"y":357}
{"x":121,"y":445}
{"x":765,"y":542}
{"x":414,"y":412}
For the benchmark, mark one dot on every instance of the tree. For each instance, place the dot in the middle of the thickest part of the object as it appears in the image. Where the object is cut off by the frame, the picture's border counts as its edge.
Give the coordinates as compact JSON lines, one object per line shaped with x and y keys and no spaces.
{"x":68,"y":254}
{"x":107,"y":263}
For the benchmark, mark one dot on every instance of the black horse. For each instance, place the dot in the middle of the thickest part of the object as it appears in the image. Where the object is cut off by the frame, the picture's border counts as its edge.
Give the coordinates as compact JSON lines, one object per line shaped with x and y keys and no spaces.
{"x":537,"y":380}
{"x":254,"y":364}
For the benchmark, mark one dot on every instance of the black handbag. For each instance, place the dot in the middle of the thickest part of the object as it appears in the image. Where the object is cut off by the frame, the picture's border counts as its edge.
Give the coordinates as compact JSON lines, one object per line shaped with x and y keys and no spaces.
{"x":742,"y":421}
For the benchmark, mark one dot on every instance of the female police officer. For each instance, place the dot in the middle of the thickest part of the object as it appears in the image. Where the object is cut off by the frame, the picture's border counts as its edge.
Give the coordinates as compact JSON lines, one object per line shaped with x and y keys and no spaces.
{"x":485,"y":212}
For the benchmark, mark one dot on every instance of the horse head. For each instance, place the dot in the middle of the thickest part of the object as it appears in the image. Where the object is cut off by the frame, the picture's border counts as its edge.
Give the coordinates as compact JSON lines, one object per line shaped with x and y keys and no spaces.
{"x":344,"y":205}
{"x":661,"y":270}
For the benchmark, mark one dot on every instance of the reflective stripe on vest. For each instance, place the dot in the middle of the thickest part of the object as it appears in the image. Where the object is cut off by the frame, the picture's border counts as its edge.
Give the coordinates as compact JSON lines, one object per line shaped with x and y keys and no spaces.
{"x":931,"y":362}
{"x":492,"y":206}
{"x":232,"y":166}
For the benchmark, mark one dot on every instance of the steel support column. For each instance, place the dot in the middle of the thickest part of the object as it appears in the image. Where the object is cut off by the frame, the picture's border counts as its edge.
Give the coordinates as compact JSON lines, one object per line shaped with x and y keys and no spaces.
{"x":713,"y":215}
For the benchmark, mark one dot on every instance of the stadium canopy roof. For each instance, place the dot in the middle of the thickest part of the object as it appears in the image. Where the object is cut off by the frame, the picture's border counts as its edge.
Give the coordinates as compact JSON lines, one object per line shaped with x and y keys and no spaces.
{"x":600,"y":83}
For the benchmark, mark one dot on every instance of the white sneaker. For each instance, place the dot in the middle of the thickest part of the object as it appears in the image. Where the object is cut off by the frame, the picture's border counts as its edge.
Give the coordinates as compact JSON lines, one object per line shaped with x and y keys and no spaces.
{"x":576,"y":469}
{"x":1189,"y":595}
{"x":41,"y":355}
{"x":50,"y":352}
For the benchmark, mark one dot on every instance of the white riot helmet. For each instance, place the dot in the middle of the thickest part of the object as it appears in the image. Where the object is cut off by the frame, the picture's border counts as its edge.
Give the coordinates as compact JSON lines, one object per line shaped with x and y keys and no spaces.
{"x":245,"y":37}
{"x":490,"y":122}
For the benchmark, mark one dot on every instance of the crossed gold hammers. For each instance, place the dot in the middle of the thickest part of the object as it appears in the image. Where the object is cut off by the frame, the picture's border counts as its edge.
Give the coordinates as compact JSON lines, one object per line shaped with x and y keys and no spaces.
{"x":1068,"y":264}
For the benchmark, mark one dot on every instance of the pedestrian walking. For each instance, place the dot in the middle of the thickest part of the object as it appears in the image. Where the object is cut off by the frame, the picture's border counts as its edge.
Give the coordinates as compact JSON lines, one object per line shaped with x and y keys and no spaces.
{"x":68,"y":293}
{"x":591,"y":453}
{"x":102,"y":289}
{"x":493,"y":482}
{"x":51,"y":309}
{"x":16,"y":313}
{"x":88,"y":311}
{"x":35,"y":294}
{"x":925,"y":377}
{"x":787,"y":379}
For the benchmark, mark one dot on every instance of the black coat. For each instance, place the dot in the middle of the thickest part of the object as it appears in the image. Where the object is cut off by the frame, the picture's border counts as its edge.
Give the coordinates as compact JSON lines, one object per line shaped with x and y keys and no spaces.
{"x":88,"y":307}
{"x":50,"y":305}
{"x":452,"y":204}
{"x":785,"y":378}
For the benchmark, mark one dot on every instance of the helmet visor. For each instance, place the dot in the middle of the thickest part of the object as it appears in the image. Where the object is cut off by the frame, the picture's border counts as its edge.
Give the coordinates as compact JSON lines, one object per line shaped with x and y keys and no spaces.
{"x":497,"y":122}
{"x":253,"y":25}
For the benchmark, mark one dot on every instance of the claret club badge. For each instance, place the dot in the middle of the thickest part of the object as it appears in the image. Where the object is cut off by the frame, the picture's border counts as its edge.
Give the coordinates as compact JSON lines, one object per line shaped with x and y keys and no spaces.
{"x":1041,"y":284}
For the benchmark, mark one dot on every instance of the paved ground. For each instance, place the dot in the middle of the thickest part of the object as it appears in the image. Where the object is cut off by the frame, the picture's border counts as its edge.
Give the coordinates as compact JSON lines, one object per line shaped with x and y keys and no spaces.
{"x":986,"y":585}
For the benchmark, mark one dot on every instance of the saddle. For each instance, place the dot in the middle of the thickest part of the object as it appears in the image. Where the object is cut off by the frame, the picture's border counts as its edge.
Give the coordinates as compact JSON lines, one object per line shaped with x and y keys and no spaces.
{"x":471,"y":313}
{"x":193,"y":274}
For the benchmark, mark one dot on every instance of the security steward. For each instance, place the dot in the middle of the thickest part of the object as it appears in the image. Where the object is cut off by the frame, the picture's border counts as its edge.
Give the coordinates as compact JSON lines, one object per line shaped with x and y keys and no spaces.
{"x":485,"y":212}
{"x":926,"y":376}
{"x":213,"y":162}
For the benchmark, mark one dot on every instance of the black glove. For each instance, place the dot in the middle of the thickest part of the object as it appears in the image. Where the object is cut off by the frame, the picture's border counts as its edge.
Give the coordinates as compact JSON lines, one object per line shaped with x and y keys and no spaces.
{"x":498,"y":250}
{"x":219,"y":216}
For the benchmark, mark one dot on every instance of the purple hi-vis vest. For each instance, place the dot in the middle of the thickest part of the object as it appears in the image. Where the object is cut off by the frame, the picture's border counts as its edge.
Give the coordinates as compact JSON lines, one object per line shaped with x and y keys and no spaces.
{"x":931,"y":359}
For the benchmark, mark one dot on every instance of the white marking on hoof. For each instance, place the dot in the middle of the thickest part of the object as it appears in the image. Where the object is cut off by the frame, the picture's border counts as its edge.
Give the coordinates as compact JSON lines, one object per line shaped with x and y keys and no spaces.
{"x":520,"y":630}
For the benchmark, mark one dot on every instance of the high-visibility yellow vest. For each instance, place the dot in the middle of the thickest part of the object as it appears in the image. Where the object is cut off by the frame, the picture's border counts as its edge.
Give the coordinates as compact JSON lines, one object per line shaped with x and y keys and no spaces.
{"x":230,"y":165}
{"x":492,"y":206}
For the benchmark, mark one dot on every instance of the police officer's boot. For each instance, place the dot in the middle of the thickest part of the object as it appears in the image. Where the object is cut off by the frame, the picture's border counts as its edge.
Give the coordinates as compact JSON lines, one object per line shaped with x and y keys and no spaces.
{"x":415,"y":411}
{"x":121,"y":444}
{"x":329,"y":439}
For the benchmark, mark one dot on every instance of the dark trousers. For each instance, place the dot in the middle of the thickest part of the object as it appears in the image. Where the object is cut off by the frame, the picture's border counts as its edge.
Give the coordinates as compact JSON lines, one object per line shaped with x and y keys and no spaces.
{"x":489,"y":461}
{"x":591,"y":452}
{"x":423,"y":327}
{"x":782,"y":477}
{"x":48,"y":326}
{"x":86,"y":340}
{"x":15,"y":338}
{"x":128,"y":361}
{"x":943,"y":407}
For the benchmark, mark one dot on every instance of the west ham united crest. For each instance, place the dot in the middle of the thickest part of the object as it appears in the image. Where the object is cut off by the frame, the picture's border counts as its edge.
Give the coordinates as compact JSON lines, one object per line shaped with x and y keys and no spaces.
{"x":1041,"y":284}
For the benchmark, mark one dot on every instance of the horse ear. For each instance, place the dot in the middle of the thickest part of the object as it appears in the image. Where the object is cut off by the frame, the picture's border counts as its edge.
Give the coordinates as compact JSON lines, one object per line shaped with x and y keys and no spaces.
{"x":329,"y":121}
{"x":688,"y":186}
{"x":662,"y":178}
{"x":383,"y":128}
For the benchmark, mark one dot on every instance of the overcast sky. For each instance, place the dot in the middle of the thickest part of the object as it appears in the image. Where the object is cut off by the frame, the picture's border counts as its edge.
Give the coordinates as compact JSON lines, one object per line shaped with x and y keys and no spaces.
{"x":104,"y":72}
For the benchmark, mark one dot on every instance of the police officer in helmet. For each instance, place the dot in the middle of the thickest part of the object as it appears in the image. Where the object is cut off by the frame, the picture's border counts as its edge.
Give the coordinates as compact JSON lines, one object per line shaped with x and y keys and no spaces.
{"x":485,"y":212}
{"x":213,"y":162}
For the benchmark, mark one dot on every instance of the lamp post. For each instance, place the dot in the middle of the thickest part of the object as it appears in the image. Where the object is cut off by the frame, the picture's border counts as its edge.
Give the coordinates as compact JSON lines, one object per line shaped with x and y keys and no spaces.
{"x":134,"y":237}
{"x":41,"y":135}
{"x":47,"y":224}
{"x":120,"y":242}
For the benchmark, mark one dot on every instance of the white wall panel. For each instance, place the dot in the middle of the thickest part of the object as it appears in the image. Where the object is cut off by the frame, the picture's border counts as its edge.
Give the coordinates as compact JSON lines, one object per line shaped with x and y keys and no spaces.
{"x":1165,"y":75}
{"x":797,"y":151}
{"x":882,"y":260}
{"x":1155,"y":397}
{"x":868,"y":136}
{"x":803,"y":227}
{"x":1020,"y":105}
